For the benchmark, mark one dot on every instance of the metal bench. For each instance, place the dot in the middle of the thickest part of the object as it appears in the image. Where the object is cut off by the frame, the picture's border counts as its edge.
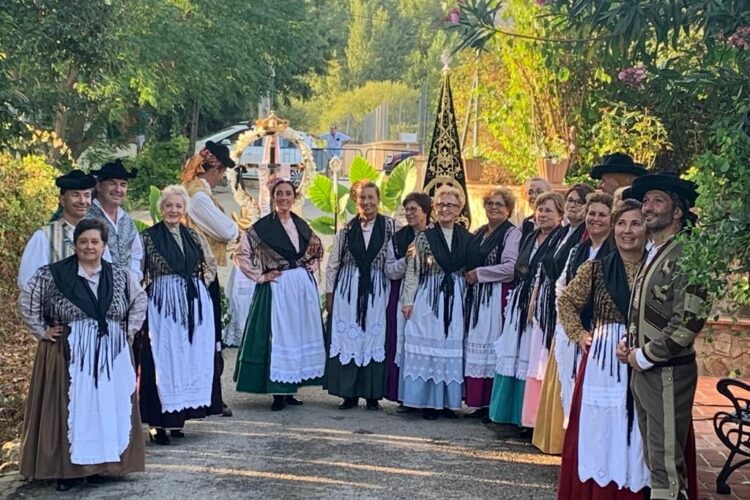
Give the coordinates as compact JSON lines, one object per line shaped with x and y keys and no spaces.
{"x":733,"y":429}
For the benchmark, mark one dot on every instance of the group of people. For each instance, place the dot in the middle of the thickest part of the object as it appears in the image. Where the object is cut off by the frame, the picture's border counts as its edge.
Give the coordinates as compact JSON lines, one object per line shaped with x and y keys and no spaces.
{"x":573,"y":327}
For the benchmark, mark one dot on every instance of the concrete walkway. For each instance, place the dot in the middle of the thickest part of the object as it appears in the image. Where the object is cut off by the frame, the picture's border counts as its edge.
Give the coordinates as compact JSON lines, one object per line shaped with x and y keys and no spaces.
{"x":317,"y":450}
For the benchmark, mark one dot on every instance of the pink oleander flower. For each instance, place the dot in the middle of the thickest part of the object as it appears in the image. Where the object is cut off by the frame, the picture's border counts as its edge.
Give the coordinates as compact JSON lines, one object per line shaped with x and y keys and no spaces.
{"x":740,"y":39}
{"x":454,"y":16}
{"x":541,"y":3}
{"x":633,"y":77}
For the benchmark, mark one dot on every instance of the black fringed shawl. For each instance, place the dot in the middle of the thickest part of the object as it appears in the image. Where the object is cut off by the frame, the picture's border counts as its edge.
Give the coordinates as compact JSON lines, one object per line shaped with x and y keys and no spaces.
{"x":270,"y":230}
{"x":186,"y":263}
{"x":482,"y":251}
{"x":450,"y":261}
{"x":611,"y":286}
{"x":526,"y":270}
{"x":553,"y":265}
{"x":65,"y":296}
{"x":354,"y":244}
{"x":402,"y":239}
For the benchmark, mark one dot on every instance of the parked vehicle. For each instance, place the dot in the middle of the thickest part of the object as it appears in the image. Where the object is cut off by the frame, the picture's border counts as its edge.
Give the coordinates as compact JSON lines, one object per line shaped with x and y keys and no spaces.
{"x":394,"y":159}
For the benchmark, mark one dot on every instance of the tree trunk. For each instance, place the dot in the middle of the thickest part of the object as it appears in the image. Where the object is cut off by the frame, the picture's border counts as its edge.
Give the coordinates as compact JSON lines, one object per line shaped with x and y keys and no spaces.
{"x":194,"y":126}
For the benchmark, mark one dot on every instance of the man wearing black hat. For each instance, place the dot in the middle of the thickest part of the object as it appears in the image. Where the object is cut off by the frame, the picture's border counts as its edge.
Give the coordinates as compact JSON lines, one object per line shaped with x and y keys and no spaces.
{"x":201,"y":174}
{"x":616,"y":170}
{"x":664,"y":319}
{"x":124,"y":241}
{"x":54,"y":241}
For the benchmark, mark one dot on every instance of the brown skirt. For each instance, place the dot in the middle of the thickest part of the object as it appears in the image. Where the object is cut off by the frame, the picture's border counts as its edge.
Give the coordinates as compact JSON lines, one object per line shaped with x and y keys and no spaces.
{"x":45,"y":450}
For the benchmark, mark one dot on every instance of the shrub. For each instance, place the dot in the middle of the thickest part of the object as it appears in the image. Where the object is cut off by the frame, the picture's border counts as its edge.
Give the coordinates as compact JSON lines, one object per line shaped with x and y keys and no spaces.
{"x":159,"y":165}
{"x":29,"y":198}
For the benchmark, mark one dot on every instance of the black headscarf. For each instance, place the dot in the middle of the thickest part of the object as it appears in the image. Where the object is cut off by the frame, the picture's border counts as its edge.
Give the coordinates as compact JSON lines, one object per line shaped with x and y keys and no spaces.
{"x":363,"y":258}
{"x":273,"y":234}
{"x":76,"y":290}
{"x":450,"y":261}
{"x":402,"y":239}
{"x":182,"y":262}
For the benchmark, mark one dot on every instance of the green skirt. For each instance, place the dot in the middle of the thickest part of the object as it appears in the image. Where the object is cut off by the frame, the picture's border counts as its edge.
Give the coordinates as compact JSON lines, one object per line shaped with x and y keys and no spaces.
{"x":506,"y":402}
{"x":350,"y":380}
{"x":253,"y":367}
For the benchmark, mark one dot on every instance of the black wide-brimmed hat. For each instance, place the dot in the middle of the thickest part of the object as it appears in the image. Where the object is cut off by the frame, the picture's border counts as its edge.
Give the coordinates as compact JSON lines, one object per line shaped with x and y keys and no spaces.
{"x":617,"y":163}
{"x":221,"y":153}
{"x":668,"y":182}
{"x":75,"y":179}
{"x":114,"y":170}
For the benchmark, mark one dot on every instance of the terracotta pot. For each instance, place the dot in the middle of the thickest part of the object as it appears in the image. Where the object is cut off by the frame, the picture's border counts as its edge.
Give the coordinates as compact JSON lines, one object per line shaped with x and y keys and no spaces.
{"x":553,"y":169}
{"x":473,"y":168}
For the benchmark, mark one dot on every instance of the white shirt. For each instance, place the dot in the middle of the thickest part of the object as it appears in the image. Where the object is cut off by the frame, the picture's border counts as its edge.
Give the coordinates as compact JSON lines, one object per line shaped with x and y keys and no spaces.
{"x":215,"y":223}
{"x":136,"y":248}
{"x":335,"y":141}
{"x":36,"y":254}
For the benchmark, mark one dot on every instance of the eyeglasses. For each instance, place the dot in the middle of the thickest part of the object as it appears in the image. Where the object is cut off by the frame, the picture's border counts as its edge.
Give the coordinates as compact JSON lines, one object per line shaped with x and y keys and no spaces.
{"x":575,"y":201}
{"x":410,"y":210}
{"x":494,"y":204}
{"x":537,"y":192}
{"x":447,"y":206}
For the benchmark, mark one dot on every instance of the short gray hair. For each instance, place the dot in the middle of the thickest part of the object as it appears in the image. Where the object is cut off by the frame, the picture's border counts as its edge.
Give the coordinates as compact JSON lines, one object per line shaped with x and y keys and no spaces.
{"x":171,"y":190}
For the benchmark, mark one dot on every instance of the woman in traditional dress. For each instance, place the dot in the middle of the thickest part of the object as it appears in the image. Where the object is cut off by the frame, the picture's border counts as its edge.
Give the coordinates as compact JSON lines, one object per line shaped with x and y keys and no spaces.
{"x":175,"y":349}
{"x":543,"y":409}
{"x":491,"y":259}
{"x":603,"y":452}
{"x":357,"y":290}
{"x":81,"y":416}
{"x":512,"y":348}
{"x":282,"y":347}
{"x":417,"y":207}
{"x":432,"y":303}
{"x":598,"y":244}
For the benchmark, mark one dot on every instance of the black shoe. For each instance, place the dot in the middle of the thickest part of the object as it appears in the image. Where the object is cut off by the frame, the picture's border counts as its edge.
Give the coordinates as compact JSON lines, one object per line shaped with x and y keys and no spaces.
{"x":480,"y":413}
{"x":96,"y":479}
{"x":159,"y":436}
{"x":225,"y":410}
{"x":429,"y":414}
{"x":291,"y":400}
{"x":404,"y":409}
{"x":372,"y":404}
{"x":526,"y":433}
{"x":177,"y":433}
{"x":349,"y":403}
{"x":487,"y":420}
{"x":279,"y":403}
{"x":447,"y":413}
{"x":64,"y":484}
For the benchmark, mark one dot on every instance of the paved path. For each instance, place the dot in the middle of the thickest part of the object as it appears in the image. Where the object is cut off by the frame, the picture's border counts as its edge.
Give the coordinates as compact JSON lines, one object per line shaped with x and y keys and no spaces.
{"x":317,"y":450}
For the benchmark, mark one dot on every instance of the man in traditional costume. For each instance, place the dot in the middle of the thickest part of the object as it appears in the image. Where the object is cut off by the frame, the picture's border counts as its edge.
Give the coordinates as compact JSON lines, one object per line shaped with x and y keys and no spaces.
{"x":82,"y":415}
{"x":357,"y":291}
{"x":125,"y":243}
{"x":54,"y":241}
{"x":665,"y":317}
{"x":616,"y":170}
{"x":205,"y":215}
